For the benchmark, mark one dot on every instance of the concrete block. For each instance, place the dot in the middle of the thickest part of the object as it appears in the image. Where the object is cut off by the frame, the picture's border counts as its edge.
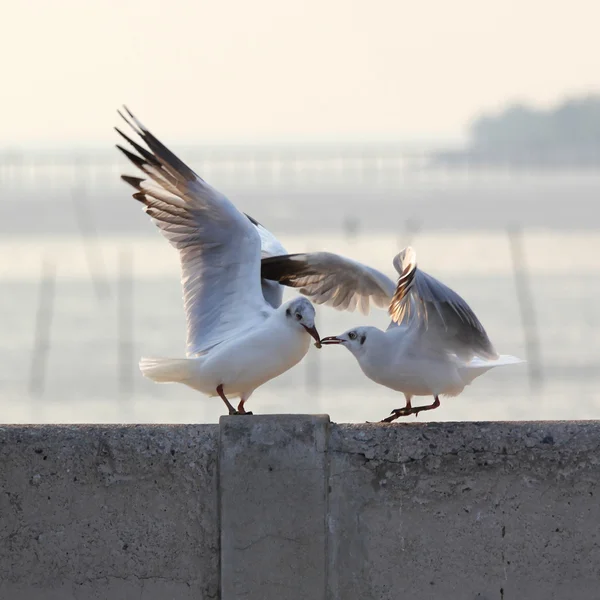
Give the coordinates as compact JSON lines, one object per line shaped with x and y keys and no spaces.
{"x":273,"y":488}
{"x":293,"y":507}
{"x":464,"y":511}
{"x":108,"y":512}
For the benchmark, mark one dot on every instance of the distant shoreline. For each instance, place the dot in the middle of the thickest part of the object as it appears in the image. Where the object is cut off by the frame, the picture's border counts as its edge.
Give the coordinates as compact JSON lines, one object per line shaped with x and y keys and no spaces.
{"x":566,"y":158}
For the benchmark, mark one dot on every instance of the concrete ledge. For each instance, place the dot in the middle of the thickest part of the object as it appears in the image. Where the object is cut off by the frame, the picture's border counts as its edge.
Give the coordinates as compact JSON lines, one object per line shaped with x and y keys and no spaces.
{"x":108,"y":512}
{"x":465,"y":510}
{"x":296,"y":507}
{"x":273,"y":481}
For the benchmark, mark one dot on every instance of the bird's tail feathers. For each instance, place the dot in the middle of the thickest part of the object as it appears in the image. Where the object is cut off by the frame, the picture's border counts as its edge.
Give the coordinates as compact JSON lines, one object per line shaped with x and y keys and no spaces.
{"x":502,"y":360}
{"x":478,"y":366}
{"x":167,"y":370}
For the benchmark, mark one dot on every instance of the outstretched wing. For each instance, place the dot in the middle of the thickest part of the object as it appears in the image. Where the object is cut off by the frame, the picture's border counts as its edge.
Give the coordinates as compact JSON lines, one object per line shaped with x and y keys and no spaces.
{"x":444,"y":317}
{"x":219,"y":247}
{"x":269,"y":246}
{"x":331,"y":279}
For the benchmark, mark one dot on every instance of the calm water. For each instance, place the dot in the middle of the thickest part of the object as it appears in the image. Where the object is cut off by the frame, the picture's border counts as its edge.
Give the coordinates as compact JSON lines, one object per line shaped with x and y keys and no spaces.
{"x":460,"y":238}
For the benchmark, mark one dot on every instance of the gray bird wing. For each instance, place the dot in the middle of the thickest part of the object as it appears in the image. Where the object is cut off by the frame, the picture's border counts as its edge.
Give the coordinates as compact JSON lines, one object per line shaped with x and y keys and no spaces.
{"x":269,"y":246}
{"x":219,"y":248}
{"x":331,"y":279}
{"x":443,"y":317}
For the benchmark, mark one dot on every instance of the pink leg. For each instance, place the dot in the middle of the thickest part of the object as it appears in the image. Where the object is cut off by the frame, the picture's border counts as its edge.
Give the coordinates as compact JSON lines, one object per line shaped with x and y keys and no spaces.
{"x":418,"y":409}
{"x":241,"y":410}
{"x":228,"y":404}
{"x":410,"y":410}
{"x":400,"y":412}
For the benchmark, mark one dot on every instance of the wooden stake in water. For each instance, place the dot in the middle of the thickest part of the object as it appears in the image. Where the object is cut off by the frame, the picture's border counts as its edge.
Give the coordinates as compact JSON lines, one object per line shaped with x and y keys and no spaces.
{"x":411,"y":228}
{"x":89,"y":236}
{"x":312,"y":371}
{"x":350,"y":226}
{"x":125,"y":324}
{"x":43,"y":326}
{"x":527,"y":308}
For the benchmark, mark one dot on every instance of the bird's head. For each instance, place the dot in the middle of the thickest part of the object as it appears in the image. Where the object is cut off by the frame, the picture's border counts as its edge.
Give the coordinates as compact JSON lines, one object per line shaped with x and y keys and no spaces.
{"x":356,"y":339}
{"x":301,"y":313}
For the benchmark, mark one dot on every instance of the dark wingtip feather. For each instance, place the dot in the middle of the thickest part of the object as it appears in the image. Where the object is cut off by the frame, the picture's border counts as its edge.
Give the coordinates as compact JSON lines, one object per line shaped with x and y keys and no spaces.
{"x":284,"y":269}
{"x":130,"y":114}
{"x":135,"y":182}
{"x":134,"y":158}
{"x":253,"y":220}
{"x":134,"y":125}
{"x":124,"y":136}
{"x":160,"y":153}
{"x":123,"y":116}
{"x":141,"y":197}
{"x":140,"y":128}
{"x":150,"y":158}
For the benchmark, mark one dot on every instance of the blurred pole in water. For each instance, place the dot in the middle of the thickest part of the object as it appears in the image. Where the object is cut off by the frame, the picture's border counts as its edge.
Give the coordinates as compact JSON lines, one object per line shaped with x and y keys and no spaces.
{"x":313,"y":363}
{"x":527,"y":308}
{"x":43,"y":325}
{"x":89,"y":237}
{"x":350,"y":227}
{"x":313,"y":372}
{"x":125,"y":360}
{"x":411,"y":228}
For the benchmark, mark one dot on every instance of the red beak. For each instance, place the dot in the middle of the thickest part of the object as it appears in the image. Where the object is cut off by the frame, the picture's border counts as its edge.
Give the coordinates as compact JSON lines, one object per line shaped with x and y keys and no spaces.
{"x":331,"y":340}
{"x":314,"y":333}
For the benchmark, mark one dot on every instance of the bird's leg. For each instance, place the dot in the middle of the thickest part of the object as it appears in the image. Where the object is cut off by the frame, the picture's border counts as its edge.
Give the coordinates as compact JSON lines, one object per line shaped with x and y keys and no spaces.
{"x":241,"y":410}
{"x":400,"y":412}
{"x":417,"y":409}
{"x":228,"y":404}
{"x":410,"y":410}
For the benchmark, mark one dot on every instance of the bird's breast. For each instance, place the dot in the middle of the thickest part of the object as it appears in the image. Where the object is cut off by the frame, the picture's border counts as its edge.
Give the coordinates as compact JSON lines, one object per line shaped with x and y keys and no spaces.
{"x":258,"y":356}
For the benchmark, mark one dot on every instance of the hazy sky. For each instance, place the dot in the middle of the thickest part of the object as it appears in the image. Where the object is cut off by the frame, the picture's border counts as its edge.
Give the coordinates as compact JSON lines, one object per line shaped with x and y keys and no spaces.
{"x":262,"y":70}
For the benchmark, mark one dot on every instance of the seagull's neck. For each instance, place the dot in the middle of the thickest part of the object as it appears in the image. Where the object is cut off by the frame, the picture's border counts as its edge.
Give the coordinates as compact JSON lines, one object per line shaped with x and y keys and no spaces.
{"x":375,"y":347}
{"x":377,"y":356}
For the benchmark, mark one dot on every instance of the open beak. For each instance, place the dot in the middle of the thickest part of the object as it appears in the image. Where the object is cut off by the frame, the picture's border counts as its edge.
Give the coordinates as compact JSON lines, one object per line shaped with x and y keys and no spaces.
{"x":332,"y":340}
{"x":314,"y":333}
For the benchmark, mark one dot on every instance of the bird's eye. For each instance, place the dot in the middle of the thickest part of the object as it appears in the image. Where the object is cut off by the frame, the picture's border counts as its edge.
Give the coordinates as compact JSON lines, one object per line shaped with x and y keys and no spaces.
{"x":298,"y":317}
{"x":352,"y":335}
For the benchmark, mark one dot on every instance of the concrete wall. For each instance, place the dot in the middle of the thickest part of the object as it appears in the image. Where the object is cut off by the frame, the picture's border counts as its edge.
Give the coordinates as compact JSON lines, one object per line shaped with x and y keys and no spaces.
{"x":294,"y":507}
{"x":465,"y":510}
{"x":115,"y":513}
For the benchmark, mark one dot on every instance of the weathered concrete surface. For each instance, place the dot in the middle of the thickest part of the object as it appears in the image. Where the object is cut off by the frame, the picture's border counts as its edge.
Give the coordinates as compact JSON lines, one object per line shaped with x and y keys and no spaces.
{"x":273,"y":483}
{"x":465,"y":511}
{"x":293,"y":507}
{"x":108,"y":512}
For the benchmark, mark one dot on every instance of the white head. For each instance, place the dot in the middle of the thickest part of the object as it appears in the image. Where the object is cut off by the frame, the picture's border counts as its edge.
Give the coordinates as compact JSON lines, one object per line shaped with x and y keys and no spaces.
{"x":301,"y":313}
{"x":357,"y":340}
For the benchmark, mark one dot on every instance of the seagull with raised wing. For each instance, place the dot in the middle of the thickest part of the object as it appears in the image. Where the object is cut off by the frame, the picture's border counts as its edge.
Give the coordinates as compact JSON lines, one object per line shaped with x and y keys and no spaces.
{"x":434,"y":344}
{"x":239,"y":335}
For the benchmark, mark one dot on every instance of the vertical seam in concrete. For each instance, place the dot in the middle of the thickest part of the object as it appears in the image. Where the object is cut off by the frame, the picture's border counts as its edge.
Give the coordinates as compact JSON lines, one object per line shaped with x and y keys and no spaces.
{"x":327,"y":591}
{"x":219,"y":528}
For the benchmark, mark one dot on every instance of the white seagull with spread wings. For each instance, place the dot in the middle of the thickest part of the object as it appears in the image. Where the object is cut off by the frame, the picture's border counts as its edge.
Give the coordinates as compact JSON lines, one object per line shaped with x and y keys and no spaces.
{"x":434,"y":345}
{"x":239,"y":335}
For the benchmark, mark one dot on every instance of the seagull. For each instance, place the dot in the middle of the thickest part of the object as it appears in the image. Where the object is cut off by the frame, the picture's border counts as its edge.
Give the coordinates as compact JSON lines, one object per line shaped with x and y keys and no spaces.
{"x":239,"y":334}
{"x":434,"y":344}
